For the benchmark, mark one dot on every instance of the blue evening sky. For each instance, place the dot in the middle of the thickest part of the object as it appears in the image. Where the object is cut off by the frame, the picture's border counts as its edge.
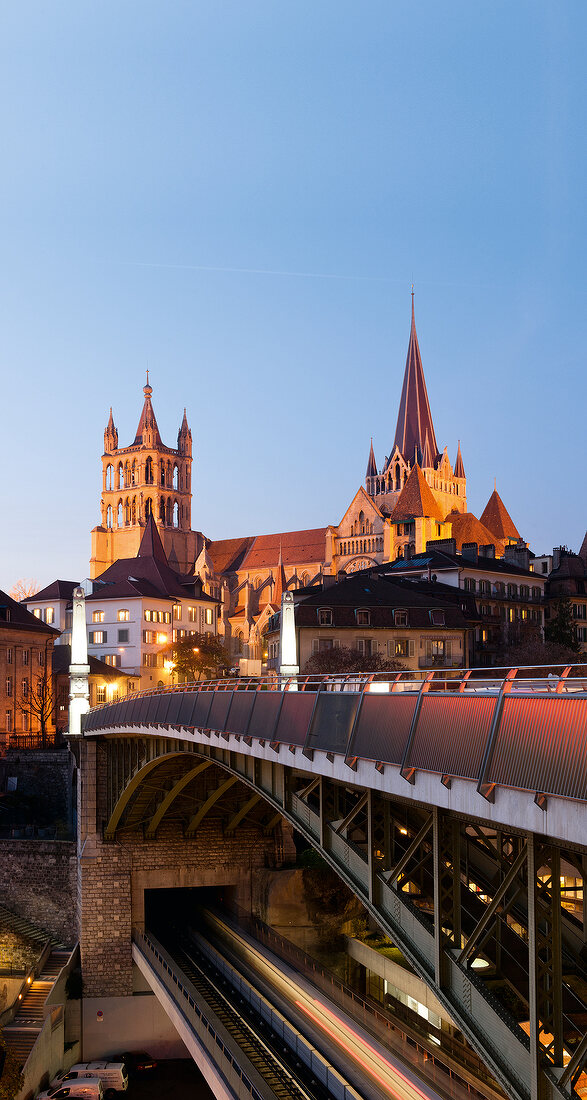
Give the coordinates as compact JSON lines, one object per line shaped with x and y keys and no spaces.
{"x":237,"y":195}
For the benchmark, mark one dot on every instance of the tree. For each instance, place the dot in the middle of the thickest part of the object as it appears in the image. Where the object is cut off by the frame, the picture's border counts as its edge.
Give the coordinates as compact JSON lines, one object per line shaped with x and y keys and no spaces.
{"x":40,"y":702}
{"x":341,"y":659}
{"x":532,"y":651}
{"x":197,"y":656}
{"x":11,"y":1077}
{"x":23,"y":588}
{"x":560,"y":628}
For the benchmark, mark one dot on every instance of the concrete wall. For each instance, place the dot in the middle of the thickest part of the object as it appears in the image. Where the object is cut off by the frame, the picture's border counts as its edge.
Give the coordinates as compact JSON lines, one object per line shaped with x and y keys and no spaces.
{"x":38,"y":881}
{"x":136,"y":1022}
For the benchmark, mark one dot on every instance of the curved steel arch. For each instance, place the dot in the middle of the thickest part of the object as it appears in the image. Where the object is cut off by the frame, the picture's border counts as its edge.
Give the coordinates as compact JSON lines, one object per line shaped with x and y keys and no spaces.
{"x":134,"y":784}
{"x":166,"y":804}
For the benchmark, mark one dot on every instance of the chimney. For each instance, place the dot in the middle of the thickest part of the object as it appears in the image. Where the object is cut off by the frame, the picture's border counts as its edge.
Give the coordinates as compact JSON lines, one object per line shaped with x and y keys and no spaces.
{"x":518,"y":554}
{"x":470,"y":551}
{"x":487,"y":551}
{"x":446,"y":546}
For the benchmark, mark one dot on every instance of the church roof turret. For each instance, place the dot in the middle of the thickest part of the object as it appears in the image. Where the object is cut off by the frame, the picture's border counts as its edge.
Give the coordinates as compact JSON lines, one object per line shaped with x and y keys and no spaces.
{"x":427,"y":456}
{"x":416,"y":500}
{"x":184,"y":436}
{"x":414,"y":418}
{"x":148,"y":424}
{"x":280,"y":582}
{"x":371,"y":464}
{"x":459,"y":470}
{"x":110,"y":434}
{"x":497,"y":518}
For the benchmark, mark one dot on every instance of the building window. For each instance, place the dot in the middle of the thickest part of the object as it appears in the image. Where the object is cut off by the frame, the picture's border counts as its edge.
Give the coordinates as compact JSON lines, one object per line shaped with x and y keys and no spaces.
{"x":148,"y":636}
{"x":524,"y":592}
{"x":37,"y":612}
{"x":123,"y":637}
{"x":364,"y":646}
{"x":512,"y":590}
{"x":98,"y":637}
{"x":41,"y":658}
{"x":177,"y":611}
{"x":9,"y":656}
{"x":112,"y":659}
{"x":161,"y":639}
{"x":101,"y":693}
{"x":544,"y":565}
{"x":321,"y":645}
{"x":97,"y":616}
{"x":147,"y":616}
{"x":192,"y":614}
{"x":123,"y":615}
{"x":25,"y":656}
{"x":400,"y":618}
{"x":469,"y":584}
{"x":437,"y":618}
{"x":579,"y":611}
{"x":50,"y":615}
{"x":209,"y":616}
{"x":9,"y":686}
{"x":25,"y":722}
{"x":324,"y":616}
{"x":8,"y":721}
{"x":401,"y":647}
{"x":363,"y":617}
{"x":25,"y":688}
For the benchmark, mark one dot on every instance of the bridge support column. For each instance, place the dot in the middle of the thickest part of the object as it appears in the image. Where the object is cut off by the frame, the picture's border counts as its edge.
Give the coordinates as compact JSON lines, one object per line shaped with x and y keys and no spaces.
{"x":537,"y":1080}
{"x":447,"y":889}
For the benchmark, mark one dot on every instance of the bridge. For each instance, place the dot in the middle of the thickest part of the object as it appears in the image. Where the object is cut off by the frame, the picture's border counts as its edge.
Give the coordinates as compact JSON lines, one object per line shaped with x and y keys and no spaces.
{"x":453,"y":805}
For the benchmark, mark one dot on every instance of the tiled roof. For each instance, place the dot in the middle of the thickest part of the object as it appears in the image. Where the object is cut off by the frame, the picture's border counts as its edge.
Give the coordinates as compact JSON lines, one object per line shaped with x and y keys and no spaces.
{"x":497,"y":518}
{"x":14,"y":616}
{"x":57,"y":590}
{"x":149,"y":574}
{"x":416,"y":499}
{"x":61,"y":660}
{"x":467,"y":528}
{"x":414,"y":420}
{"x":297,"y":548}
{"x":227,"y":554}
{"x":381,"y":595}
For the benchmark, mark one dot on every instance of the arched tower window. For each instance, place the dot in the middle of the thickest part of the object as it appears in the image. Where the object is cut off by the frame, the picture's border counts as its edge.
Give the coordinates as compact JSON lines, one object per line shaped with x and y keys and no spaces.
{"x":161,"y":510}
{"x":163,"y":471}
{"x":127,"y":511}
{"x":169,"y":474}
{"x":133,"y":473}
{"x":120,"y":484}
{"x":126,"y":472}
{"x":149,"y":470}
{"x":109,"y":516}
{"x":134,"y":510}
{"x":169,"y":512}
{"x":148,"y":507}
{"x":110,"y":477}
{"x":176,"y":477}
{"x":119,"y":517}
{"x":175,"y":514}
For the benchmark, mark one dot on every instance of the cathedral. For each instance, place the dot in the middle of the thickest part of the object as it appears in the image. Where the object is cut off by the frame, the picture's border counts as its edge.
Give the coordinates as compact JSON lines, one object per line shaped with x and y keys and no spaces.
{"x":415,"y":497}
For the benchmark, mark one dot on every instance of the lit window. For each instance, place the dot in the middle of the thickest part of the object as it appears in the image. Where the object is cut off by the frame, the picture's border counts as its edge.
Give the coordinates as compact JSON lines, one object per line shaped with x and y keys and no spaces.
{"x":8,"y":721}
{"x":166,"y":617}
{"x":147,"y":616}
{"x":50,"y":615}
{"x":37,"y":613}
{"x":148,"y":636}
{"x":123,"y":615}
{"x":177,"y":611}
{"x":324,"y":616}
{"x":97,"y":616}
{"x":112,"y":659}
{"x":399,"y":648}
{"x":161,"y":639}
{"x":209,"y":616}
{"x":101,"y":693}
{"x":98,"y":637}
{"x":192,"y":614}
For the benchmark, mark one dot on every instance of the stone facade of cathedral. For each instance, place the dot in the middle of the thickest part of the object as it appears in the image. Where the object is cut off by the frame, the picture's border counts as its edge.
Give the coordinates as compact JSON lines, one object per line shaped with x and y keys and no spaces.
{"x":415,"y":497}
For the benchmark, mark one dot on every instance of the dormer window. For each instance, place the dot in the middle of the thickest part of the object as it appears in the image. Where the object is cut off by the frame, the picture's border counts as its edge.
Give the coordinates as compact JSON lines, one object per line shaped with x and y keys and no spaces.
{"x":400,"y":618}
{"x":437,"y":618}
{"x":363,"y":616}
{"x":324,"y":616}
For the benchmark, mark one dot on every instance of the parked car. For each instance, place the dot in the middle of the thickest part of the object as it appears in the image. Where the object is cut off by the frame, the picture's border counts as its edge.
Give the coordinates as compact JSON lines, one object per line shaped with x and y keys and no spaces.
{"x":86,"y":1088}
{"x":136,"y":1061}
{"x":113,"y":1075}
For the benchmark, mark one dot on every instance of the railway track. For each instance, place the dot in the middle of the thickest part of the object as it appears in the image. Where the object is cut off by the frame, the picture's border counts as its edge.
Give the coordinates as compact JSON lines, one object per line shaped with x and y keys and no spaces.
{"x":286,"y":1076}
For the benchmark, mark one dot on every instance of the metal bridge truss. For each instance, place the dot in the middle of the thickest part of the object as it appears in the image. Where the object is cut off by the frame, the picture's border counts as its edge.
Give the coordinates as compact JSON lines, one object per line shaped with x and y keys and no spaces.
{"x":477,"y":910}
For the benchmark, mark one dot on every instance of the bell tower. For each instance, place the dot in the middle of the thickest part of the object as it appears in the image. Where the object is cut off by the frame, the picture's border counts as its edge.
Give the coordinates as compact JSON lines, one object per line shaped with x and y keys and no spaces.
{"x":145,"y":479}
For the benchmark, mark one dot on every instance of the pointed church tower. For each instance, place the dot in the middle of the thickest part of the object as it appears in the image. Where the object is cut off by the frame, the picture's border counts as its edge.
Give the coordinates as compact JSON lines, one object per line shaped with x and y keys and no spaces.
{"x":414,"y":421}
{"x":415,"y":444}
{"x":280,"y":583}
{"x":146,"y":480}
{"x":459,"y":470}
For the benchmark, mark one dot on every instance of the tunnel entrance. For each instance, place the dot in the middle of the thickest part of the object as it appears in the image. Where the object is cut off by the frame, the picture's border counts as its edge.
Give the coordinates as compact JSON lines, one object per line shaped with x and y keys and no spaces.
{"x":166,"y":909}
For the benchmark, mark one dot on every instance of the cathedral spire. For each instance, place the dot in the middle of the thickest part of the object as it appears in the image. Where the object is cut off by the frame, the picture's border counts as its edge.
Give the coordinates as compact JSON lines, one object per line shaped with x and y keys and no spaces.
{"x":184,"y":436}
{"x":147,"y":431}
{"x":414,"y":420}
{"x":459,"y":470}
{"x":280,"y":584}
{"x":110,"y":435}
{"x":371,"y":464}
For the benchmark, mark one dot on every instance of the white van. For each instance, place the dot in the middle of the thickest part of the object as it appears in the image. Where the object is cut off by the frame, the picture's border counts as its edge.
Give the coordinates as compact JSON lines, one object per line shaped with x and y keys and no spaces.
{"x":113,"y":1075}
{"x":86,"y":1088}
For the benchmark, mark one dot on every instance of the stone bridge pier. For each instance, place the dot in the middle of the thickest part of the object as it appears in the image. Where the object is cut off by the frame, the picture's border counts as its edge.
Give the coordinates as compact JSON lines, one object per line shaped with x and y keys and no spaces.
{"x":225,"y":846}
